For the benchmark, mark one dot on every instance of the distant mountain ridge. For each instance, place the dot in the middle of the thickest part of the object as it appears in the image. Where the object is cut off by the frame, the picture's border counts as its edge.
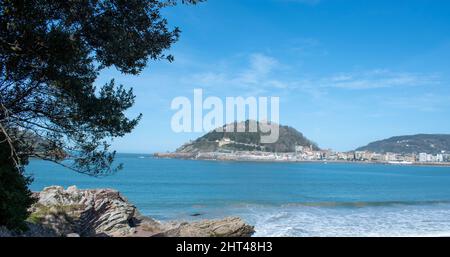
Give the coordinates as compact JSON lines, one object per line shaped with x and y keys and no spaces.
{"x":421,"y":143}
{"x":215,"y":141}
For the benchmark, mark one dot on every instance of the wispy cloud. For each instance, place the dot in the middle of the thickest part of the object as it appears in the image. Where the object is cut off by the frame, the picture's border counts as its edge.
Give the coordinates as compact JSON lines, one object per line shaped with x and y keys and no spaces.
{"x":259,"y":75}
{"x":376,"y":79}
{"x":260,"y":68}
{"x":429,"y":102}
{"x":307,"y":46}
{"x":266,"y":73}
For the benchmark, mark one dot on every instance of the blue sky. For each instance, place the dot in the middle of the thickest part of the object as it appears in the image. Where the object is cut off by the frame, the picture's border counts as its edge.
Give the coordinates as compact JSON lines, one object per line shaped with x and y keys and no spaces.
{"x":346,"y":72}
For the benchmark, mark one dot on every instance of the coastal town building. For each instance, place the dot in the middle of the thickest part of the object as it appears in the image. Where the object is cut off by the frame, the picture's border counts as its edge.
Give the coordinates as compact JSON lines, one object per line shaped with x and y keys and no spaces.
{"x":423,"y":157}
{"x":308,"y":154}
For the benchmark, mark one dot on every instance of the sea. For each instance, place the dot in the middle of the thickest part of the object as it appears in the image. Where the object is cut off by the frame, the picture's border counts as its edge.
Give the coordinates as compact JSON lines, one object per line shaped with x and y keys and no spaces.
{"x":279,"y":199}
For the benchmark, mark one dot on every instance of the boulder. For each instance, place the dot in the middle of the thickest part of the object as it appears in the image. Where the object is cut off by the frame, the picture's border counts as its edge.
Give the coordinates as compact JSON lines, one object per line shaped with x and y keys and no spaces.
{"x":102,"y":212}
{"x":106,"y":213}
{"x":228,"y":227}
{"x":72,"y":235}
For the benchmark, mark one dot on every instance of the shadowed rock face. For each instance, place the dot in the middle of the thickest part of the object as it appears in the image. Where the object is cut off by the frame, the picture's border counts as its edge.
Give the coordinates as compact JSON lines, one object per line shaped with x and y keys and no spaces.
{"x":105,"y":212}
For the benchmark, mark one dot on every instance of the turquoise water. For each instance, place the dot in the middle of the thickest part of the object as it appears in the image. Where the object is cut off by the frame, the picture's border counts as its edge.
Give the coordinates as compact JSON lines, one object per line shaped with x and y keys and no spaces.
{"x":280,"y":199}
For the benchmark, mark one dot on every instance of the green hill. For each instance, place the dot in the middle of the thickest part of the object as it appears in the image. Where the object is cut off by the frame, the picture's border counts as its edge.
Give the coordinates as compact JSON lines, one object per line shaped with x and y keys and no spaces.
{"x":215,"y":141}
{"x":422,"y":143}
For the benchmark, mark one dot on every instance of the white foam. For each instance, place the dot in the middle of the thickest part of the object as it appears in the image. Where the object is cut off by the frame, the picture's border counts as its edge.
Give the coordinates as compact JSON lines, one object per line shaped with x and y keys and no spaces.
{"x":392,"y":221}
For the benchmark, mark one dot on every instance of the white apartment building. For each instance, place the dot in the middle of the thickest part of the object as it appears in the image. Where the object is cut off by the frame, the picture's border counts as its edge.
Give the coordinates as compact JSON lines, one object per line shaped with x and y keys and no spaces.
{"x":423,"y":157}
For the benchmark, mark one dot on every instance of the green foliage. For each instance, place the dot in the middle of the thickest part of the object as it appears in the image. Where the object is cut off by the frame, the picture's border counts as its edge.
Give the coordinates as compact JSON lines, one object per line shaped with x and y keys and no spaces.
{"x":15,"y":197}
{"x":422,"y":143}
{"x":40,"y":211}
{"x":51,"y":52}
{"x":251,"y":141}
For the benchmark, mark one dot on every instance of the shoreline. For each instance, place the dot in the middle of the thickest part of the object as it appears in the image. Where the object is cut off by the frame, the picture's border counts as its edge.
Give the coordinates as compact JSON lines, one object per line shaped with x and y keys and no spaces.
{"x":254,"y":158}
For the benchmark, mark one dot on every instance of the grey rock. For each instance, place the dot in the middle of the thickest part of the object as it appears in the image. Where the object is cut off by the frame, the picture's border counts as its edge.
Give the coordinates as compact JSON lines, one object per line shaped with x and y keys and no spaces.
{"x":102,"y":212}
{"x":106,"y":213}
{"x":228,"y":227}
{"x":34,"y":230}
{"x":73,"y":235}
{"x":4,"y":232}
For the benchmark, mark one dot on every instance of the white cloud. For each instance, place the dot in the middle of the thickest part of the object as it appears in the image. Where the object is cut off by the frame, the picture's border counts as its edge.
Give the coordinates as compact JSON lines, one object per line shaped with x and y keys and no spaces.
{"x":264,"y":74}
{"x":372,"y":79}
{"x":257,"y":77}
{"x":428,"y":102}
{"x":208,"y":79}
{"x":262,"y":64}
{"x":260,"y":67}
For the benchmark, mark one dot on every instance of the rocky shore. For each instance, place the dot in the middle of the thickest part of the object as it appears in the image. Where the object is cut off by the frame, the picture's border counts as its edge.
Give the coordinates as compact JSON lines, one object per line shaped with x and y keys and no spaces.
{"x":72,"y":212}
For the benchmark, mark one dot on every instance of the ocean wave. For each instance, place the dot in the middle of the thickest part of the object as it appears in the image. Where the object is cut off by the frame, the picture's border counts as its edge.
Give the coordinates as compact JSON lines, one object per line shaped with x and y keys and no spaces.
{"x":360,"y":204}
{"x":374,"y":221}
{"x":344,"y":204}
